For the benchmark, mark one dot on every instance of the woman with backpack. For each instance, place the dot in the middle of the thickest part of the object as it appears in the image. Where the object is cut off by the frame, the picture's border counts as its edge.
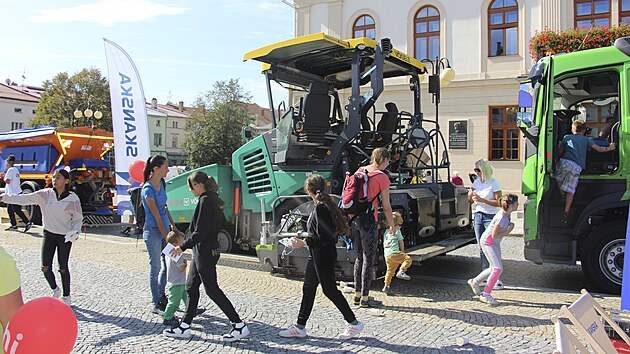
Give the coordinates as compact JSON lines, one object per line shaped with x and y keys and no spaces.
{"x":364,"y":228}
{"x":157,"y":224}
{"x":324,"y":224}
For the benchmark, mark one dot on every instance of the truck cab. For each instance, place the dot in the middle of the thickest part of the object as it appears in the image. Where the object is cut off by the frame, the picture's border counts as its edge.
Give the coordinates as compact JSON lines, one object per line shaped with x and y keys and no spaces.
{"x":591,"y":86}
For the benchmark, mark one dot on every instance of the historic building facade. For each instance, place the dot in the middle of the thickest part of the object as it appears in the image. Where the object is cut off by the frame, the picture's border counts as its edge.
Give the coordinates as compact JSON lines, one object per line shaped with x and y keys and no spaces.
{"x":486,"y":43}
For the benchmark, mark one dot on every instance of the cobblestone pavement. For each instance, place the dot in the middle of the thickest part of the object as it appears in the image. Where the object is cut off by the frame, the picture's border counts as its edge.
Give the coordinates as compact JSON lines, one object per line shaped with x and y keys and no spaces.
{"x":111,"y":300}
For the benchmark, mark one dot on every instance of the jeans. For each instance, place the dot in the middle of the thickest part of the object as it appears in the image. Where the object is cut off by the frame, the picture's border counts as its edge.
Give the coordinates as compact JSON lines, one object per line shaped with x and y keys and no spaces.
{"x":492,"y":274}
{"x":481,"y":223}
{"x":56,"y":243}
{"x":157,"y":263}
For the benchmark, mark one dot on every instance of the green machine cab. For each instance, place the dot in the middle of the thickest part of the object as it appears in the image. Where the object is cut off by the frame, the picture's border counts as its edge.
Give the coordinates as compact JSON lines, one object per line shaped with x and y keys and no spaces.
{"x":593,"y":86}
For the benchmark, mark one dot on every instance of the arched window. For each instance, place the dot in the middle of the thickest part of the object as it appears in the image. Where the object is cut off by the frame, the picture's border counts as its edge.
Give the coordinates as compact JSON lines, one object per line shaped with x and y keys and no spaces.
{"x":364,"y":27}
{"x":592,"y":13}
{"x":503,"y":28}
{"x":624,"y":11}
{"x":427,"y":33}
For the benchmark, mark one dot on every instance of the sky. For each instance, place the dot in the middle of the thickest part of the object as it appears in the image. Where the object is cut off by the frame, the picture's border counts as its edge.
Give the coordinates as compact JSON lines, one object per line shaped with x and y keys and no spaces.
{"x":180,"y":47}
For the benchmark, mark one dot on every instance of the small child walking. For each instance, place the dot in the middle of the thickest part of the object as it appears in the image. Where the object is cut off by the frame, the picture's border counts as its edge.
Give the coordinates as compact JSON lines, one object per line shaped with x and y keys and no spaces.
{"x":175,"y":280}
{"x":499,"y":227}
{"x":394,"y":249}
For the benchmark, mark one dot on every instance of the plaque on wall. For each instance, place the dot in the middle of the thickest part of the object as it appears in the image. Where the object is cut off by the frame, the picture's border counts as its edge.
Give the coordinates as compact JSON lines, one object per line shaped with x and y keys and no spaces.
{"x":458,"y":134}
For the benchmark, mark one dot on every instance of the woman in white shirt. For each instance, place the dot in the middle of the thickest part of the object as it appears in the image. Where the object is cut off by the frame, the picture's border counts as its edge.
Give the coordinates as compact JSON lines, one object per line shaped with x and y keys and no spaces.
{"x":485,"y":193}
{"x":62,"y":218}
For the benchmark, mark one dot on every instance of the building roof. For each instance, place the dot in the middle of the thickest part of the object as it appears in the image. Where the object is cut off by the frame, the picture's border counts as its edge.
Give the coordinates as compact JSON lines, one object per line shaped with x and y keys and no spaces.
{"x":18,"y":93}
{"x":173,"y":110}
{"x":262,"y":115}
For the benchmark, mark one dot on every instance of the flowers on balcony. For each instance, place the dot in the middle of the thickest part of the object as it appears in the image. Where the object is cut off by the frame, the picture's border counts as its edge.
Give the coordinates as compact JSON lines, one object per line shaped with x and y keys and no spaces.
{"x":548,"y":42}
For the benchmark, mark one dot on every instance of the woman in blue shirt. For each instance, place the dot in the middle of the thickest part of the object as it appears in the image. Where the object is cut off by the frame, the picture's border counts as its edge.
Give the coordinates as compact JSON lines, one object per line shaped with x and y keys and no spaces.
{"x":157,"y":224}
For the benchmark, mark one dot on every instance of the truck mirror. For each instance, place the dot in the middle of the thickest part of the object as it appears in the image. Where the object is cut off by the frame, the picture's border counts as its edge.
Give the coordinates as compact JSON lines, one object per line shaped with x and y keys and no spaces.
{"x":524,"y":96}
{"x":537,"y":74}
{"x":524,"y":119}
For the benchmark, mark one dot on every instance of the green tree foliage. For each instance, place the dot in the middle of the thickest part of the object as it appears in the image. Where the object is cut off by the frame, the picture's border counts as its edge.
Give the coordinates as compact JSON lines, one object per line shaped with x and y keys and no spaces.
{"x":214,"y":131}
{"x":63,"y":94}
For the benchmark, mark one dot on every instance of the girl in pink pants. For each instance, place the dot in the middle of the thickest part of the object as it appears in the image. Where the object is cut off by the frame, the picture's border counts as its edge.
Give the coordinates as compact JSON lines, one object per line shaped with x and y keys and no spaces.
{"x":499,"y":227}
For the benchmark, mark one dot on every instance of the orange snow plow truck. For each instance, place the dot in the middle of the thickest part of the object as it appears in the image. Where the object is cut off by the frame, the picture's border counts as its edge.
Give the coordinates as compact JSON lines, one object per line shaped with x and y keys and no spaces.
{"x":84,"y":151}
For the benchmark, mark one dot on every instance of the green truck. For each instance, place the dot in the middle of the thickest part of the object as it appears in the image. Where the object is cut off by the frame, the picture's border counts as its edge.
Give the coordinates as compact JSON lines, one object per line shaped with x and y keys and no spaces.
{"x":263,"y":187}
{"x":592,"y":86}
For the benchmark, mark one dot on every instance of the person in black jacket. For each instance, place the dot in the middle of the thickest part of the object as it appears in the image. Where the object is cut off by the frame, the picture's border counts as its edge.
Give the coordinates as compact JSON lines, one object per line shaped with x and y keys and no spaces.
{"x":324,"y":224}
{"x":204,"y":228}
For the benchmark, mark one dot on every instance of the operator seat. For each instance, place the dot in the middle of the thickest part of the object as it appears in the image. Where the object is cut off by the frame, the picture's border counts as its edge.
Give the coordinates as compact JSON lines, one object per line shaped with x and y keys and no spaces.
{"x":387,"y":125}
{"x":384,"y":130}
{"x":315,"y":122}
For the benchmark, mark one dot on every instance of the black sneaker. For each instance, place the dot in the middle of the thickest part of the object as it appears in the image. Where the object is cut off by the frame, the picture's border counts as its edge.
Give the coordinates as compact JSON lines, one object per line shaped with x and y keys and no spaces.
{"x":162,"y":303}
{"x":126,"y":231}
{"x":370,"y":303}
{"x":11,"y":228}
{"x":28,"y":226}
{"x":200,"y":310}
{"x":172,"y":322}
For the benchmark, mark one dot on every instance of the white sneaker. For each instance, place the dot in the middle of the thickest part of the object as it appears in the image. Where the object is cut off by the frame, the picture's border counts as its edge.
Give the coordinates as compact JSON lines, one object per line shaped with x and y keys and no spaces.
{"x":488,"y":299}
{"x":499,"y":285}
{"x":57,"y":293}
{"x":293,"y":332}
{"x":178,"y":332}
{"x":352,"y":331}
{"x":475,"y":287}
{"x":236,"y":333}
{"x":403,"y":276}
{"x":67,"y":300}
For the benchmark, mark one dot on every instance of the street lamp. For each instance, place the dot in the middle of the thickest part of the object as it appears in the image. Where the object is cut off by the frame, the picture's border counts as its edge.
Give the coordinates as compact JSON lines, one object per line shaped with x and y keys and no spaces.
{"x":441,"y":74}
{"x":87,"y":113}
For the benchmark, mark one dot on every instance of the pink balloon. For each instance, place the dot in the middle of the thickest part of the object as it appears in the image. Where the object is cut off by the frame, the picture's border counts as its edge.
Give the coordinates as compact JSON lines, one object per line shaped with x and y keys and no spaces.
{"x":136,"y":170}
{"x":43,"y":325}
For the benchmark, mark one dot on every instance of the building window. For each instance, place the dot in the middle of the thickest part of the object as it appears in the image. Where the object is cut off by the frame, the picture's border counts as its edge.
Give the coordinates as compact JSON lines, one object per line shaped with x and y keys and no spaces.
{"x":624,"y":11}
{"x":174,"y":142}
{"x":175,"y":124}
{"x":427,"y":33}
{"x":17,"y":125}
{"x":504,"y":134}
{"x":17,"y":110}
{"x":364,"y":27}
{"x":157,"y":139}
{"x":593,"y":13}
{"x":157,"y":122}
{"x":503,"y":28}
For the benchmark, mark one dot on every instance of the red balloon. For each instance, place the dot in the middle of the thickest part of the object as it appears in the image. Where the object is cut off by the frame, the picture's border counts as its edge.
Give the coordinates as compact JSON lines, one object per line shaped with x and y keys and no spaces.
{"x":136,"y":170}
{"x":43,"y":325}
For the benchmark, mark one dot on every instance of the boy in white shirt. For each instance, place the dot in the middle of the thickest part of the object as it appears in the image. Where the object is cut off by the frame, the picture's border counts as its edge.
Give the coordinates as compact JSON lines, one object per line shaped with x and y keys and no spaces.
{"x":12,"y":187}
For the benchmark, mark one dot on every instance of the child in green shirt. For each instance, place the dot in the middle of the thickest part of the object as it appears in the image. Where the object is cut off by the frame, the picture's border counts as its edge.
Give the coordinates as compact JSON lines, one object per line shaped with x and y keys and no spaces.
{"x":394,"y":247}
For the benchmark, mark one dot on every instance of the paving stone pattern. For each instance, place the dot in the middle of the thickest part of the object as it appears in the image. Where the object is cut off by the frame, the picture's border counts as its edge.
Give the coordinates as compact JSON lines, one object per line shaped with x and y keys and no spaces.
{"x":112,"y":304}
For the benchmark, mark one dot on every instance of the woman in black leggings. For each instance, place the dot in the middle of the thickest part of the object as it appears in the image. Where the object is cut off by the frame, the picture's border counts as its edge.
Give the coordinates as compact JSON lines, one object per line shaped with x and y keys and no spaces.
{"x":324,"y":224}
{"x":62,"y":219}
{"x":204,"y":228}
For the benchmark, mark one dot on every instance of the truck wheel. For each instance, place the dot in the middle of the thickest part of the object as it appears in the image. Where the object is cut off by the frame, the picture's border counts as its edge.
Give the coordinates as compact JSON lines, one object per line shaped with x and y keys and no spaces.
{"x":225,"y":241}
{"x":34,"y":213}
{"x":602,"y":261}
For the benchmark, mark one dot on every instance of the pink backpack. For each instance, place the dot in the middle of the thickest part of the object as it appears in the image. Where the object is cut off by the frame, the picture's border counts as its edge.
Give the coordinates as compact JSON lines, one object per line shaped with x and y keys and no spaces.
{"x":354,"y":196}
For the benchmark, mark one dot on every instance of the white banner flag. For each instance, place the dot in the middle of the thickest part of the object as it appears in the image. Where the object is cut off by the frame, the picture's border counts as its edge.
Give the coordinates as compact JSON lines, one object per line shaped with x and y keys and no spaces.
{"x":129,"y":119}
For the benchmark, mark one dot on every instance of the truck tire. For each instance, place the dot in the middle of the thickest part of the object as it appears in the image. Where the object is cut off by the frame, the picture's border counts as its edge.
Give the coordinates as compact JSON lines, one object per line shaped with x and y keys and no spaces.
{"x":34,"y":213}
{"x":602,"y":261}
{"x":225,"y":241}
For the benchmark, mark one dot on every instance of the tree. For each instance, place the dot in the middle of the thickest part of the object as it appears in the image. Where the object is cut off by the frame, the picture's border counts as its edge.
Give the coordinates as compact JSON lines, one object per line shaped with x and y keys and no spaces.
{"x":214,"y":131}
{"x":64,"y":94}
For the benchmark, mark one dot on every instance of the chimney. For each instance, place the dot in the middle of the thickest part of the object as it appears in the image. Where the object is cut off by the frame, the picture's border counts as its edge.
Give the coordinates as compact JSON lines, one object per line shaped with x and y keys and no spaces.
{"x":154,"y":103}
{"x":181,"y":106}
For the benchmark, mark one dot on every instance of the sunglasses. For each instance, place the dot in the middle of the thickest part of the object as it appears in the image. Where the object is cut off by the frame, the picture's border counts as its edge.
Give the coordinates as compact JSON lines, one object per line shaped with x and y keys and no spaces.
{"x":477,"y":170}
